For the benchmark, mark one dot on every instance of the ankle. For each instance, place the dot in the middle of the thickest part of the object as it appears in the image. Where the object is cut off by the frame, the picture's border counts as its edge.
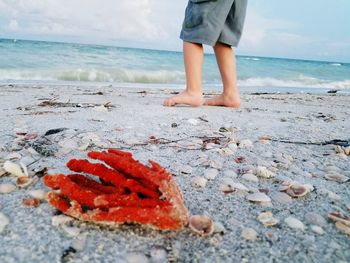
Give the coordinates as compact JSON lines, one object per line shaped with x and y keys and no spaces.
{"x":193,"y":92}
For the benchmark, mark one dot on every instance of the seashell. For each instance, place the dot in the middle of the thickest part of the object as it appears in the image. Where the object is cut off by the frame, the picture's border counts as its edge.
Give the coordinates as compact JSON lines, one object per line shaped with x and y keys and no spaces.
{"x":211,"y":174}
{"x":226,"y":152}
{"x":31,"y":202}
{"x":347,"y":150}
{"x":262,"y":171}
{"x":258,"y":197}
{"x":297,"y":190}
{"x":186,"y":169}
{"x":340,"y":226}
{"x":315,"y":219}
{"x":245,"y":144}
{"x":232,"y":146}
{"x":339,"y":217}
{"x":230,"y":184}
{"x":199,"y":182}
{"x":337,"y":177}
{"x":24,"y":181}
{"x":158,"y":254}
{"x":339,"y":149}
{"x":79,"y":242}
{"x":2,"y":171}
{"x":294,"y":223}
{"x":13,"y":169}
{"x":38,"y":194}
{"x":201,"y":224}
{"x":24,"y":168}
{"x":101,"y":108}
{"x":7,"y":188}
{"x":193,"y":121}
{"x":249,"y":234}
{"x":4,"y":221}
{"x":250,"y":177}
{"x":134,"y":258}
{"x":267,"y":219}
{"x":13,"y":156}
{"x":60,"y":220}
{"x":71,"y":231}
{"x":219,"y":228}
{"x":317,"y":229}
{"x":230,"y":173}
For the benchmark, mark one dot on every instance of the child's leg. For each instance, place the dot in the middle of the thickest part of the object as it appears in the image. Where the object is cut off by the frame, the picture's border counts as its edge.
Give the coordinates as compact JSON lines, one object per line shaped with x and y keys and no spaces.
{"x":227,"y":65}
{"x":193,"y":58}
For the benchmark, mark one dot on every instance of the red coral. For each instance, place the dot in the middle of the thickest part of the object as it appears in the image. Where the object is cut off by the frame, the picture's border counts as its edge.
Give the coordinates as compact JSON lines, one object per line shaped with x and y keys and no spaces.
{"x":128,"y":192}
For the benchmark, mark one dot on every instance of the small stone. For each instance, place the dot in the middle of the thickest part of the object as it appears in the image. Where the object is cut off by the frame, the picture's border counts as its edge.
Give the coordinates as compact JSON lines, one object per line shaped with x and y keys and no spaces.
{"x":317,"y":229}
{"x":199,"y":182}
{"x":249,"y":234}
{"x":250,"y":177}
{"x":211,"y":174}
{"x":4,"y":221}
{"x":7,"y":188}
{"x":294,"y":223}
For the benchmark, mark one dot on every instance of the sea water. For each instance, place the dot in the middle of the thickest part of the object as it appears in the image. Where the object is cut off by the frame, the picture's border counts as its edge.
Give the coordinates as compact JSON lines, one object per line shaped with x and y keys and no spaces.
{"x":24,"y":61}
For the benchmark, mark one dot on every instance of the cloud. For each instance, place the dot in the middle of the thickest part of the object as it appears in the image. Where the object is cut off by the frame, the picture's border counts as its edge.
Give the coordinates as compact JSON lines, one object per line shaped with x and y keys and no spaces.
{"x":13,"y":25}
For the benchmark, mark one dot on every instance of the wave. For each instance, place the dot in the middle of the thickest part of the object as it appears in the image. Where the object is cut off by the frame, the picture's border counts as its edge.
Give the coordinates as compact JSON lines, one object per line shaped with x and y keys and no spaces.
{"x":160,"y":77}
{"x":336,"y":64}
{"x":301,"y":82}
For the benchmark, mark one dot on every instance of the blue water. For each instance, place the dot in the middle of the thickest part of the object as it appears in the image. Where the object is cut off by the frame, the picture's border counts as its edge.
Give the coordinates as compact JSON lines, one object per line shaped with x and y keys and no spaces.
{"x":35,"y":61}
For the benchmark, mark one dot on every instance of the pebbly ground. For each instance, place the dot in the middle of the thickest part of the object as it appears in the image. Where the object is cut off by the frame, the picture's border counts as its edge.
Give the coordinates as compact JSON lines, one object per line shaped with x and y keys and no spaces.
{"x":188,"y":142}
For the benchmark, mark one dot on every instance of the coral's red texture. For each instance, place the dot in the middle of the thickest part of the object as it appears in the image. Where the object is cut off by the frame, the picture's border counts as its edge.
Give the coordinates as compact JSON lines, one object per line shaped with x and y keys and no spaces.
{"x":128,"y":192}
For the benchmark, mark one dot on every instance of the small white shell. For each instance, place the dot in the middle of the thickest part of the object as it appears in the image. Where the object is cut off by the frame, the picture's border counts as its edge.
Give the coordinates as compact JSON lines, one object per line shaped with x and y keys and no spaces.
{"x":245,"y":143}
{"x":13,"y":169}
{"x":249,"y":234}
{"x":60,"y":220}
{"x":7,"y":188}
{"x":13,"y":156}
{"x":250,"y":177}
{"x":24,"y":181}
{"x":4,"y":221}
{"x":317,"y":229}
{"x":38,"y":194}
{"x":267,"y":219}
{"x":294,"y":223}
{"x":201,"y":224}
{"x":262,"y":171}
{"x":230,"y":173}
{"x":199,"y":182}
{"x":337,"y":177}
{"x":211,"y":174}
{"x":71,"y":231}
{"x":258,"y":197}
{"x":193,"y":121}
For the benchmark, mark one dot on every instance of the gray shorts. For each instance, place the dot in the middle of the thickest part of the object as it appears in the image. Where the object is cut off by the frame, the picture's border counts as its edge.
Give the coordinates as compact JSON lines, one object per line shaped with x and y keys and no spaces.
{"x":211,"y":21}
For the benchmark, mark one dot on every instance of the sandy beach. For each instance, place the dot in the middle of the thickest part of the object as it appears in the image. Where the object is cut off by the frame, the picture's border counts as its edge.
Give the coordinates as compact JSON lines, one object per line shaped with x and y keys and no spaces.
{"x":273,"y":143}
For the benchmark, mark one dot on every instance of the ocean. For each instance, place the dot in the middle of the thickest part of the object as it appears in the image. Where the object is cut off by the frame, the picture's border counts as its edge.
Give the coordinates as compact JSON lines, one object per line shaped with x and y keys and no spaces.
{"x":23,"y":61}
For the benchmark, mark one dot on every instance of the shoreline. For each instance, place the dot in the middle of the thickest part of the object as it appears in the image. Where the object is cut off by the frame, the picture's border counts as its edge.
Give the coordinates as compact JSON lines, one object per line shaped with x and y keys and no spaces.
{"x":231,"y":143}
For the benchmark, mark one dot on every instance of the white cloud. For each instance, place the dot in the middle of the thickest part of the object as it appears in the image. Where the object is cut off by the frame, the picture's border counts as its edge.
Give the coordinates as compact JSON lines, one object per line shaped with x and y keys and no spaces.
{"x":13,"y":25}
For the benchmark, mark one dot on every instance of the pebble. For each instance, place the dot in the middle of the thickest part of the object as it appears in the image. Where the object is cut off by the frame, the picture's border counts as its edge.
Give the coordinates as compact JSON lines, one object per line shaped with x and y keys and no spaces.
{"x":315,"y":219}
{"x":211,"y":174}
{"x":294,"y":223}
{"x":199,"y":182}
{"x":7,"y":188}
{"x":249,"y":234}
{"x":317,"y":229}
{"x":4,"y":221}
{"x":250,"y":177}
{"x":262,"y":171}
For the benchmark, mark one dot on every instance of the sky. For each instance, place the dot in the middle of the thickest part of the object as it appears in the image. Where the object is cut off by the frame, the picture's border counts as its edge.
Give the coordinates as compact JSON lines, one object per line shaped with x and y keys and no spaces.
{"x":302,"y":29}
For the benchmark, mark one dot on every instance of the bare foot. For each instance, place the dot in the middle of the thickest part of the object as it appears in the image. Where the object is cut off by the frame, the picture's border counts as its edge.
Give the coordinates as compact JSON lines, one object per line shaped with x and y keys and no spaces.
{"x":225,"y":101}
{"x":185,"y":98}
